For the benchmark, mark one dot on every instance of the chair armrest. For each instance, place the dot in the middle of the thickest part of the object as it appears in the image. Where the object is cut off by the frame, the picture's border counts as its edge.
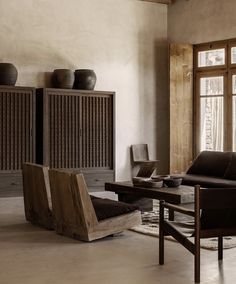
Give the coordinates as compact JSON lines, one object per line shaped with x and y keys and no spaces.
{"x":179,"y":209}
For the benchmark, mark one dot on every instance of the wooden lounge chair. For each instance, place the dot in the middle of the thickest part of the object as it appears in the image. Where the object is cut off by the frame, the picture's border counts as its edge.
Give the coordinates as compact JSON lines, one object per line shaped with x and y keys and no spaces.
{"x":36,"y":191}
{"x":214,"y":216}
{"x":83,"y":217}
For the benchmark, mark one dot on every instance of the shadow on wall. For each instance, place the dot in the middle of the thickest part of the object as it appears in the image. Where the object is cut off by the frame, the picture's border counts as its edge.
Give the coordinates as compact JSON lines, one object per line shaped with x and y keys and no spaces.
{"x":154,"y":99}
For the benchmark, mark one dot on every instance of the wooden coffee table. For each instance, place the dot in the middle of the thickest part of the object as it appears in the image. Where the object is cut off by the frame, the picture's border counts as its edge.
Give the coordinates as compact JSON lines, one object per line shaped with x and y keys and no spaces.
{"x":127,"y":192}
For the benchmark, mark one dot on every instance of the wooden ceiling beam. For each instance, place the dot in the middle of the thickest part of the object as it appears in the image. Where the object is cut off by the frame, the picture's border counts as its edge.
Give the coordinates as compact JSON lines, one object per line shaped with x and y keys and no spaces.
{"x":159,"y":1}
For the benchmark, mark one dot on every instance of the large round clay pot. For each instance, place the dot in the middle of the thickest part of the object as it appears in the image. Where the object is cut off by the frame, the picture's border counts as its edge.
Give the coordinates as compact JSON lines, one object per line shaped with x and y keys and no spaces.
{"x":8,"y":74}
{"x":85,"y":79}
{"x":63,"y":78}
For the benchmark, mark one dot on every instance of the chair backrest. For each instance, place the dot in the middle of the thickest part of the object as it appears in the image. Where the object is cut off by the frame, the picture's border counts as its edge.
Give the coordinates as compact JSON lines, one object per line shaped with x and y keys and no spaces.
{"x":71,"y":202}
{"x":139,"y":153}
{"x":217,"y":205}
{"x":36,"y":191}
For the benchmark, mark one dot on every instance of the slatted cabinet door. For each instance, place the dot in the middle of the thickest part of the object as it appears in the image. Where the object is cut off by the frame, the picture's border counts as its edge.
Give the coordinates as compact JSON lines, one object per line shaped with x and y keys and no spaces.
{"x":64,"y":130}
{"x":77,"y":129}
{"x":97,"y":131}
{"x":17,"y":128}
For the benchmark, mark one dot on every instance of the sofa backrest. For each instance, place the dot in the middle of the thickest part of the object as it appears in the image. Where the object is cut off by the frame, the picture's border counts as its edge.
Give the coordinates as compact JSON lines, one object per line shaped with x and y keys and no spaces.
{"x":211,"y":163}
{"x":231,"y":169}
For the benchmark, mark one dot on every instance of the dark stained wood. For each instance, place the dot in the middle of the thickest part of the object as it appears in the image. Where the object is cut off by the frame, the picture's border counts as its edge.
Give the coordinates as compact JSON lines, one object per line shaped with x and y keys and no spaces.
{"x":37,"y":198}
{"x":197,"y":231}
{"x":179,"y":209}
{"x":161,"y":234}
{"x":17,"y":131}
{"x":77,"y":132}
{"x":220,"y":199}
{"x":220,"y":248}
{"x":179,"y":195}
{"x":74,"y":213}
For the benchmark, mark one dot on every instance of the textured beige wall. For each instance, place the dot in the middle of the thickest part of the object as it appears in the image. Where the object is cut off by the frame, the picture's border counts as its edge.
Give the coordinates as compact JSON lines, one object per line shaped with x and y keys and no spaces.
{"x":198,"y":21}
{"x":124,"y":41}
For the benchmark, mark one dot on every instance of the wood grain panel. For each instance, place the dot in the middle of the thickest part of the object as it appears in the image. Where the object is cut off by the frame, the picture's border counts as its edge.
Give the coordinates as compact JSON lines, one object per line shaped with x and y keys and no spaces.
{"x":97,"y":132}
{"x":16,"y":127}
{"x":63,"y":131}
{"x":181,"y":107}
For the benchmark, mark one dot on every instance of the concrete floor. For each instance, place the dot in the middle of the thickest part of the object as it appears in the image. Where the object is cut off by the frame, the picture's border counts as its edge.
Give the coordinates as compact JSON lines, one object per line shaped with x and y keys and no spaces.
{"x":29,"y":254}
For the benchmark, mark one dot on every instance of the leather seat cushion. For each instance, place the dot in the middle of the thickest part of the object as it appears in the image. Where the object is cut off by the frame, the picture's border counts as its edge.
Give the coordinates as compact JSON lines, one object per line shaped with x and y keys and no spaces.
{"x":107,"y":208}
{"x":207,"y":181}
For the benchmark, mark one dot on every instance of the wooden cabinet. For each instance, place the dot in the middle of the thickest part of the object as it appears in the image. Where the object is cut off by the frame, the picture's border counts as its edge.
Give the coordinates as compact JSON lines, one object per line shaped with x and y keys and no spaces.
{"x":75,"y":130}
{"x":17,"y":136}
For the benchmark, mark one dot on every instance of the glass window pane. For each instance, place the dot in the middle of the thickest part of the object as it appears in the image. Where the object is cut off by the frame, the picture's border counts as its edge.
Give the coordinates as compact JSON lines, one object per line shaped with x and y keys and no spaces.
{"x":211,"y":57}
{"x":233,"y":55}
{"x":212,"y":86}
{"x":234,"y":84}
{"x":234,"y":123}
{"x":211,"y":119}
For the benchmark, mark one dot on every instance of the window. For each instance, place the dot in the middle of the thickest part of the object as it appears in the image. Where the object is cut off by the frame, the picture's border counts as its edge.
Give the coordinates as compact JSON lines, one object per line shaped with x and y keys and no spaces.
{"x":215,"y":96}
{"x":211,"y":57}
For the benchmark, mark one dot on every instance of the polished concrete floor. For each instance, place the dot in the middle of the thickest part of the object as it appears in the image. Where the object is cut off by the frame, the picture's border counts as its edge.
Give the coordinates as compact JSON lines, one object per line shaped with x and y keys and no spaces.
{"x":29,"y":254}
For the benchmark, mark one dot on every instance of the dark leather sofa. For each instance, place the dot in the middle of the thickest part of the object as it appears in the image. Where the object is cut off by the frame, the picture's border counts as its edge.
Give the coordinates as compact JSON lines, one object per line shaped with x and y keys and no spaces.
{"x":212,"y":169}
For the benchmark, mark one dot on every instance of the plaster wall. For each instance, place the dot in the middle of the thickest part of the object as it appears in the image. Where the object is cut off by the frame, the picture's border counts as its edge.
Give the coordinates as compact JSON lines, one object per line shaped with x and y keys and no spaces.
{"x":194,"y":21}
{"x":124,"y":41}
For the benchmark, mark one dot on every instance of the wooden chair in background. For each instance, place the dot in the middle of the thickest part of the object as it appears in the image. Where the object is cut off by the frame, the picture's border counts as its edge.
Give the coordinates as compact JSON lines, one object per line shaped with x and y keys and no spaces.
{"x":140,"y":158}
{"x":83,"y":217}
{"x":36,"y":191}
{"x":140,"y":153}
{"x":214,"y":216}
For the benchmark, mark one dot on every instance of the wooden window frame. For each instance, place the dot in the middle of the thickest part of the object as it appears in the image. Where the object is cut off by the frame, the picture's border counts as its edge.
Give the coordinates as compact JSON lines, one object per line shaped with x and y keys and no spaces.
{"x":227,"y":70}
{"x":207,"y":47}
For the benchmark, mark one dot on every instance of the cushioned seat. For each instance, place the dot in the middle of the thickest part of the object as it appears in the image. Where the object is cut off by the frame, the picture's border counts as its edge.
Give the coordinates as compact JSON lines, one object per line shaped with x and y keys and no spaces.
{"x":207,"y":181}
{"x":84,"y":217}
{"x":106,"y":208}
{"x":212,"y":169}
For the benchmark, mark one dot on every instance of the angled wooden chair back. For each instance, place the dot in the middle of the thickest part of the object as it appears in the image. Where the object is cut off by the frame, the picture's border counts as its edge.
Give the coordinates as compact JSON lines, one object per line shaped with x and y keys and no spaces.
{"x":214,"y":216}
{"x":74,"y":212}
{"x":139,"y":153}
{"x":36,"y":190}
{"x":140,"y":159}
{"x":71,"y":203}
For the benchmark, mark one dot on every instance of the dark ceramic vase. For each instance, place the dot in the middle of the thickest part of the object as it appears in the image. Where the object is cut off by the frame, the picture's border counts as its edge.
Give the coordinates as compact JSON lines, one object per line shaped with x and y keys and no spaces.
{"x":8,"y":74}
{"x":63,"y":78}
{"x":85,"y":79}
